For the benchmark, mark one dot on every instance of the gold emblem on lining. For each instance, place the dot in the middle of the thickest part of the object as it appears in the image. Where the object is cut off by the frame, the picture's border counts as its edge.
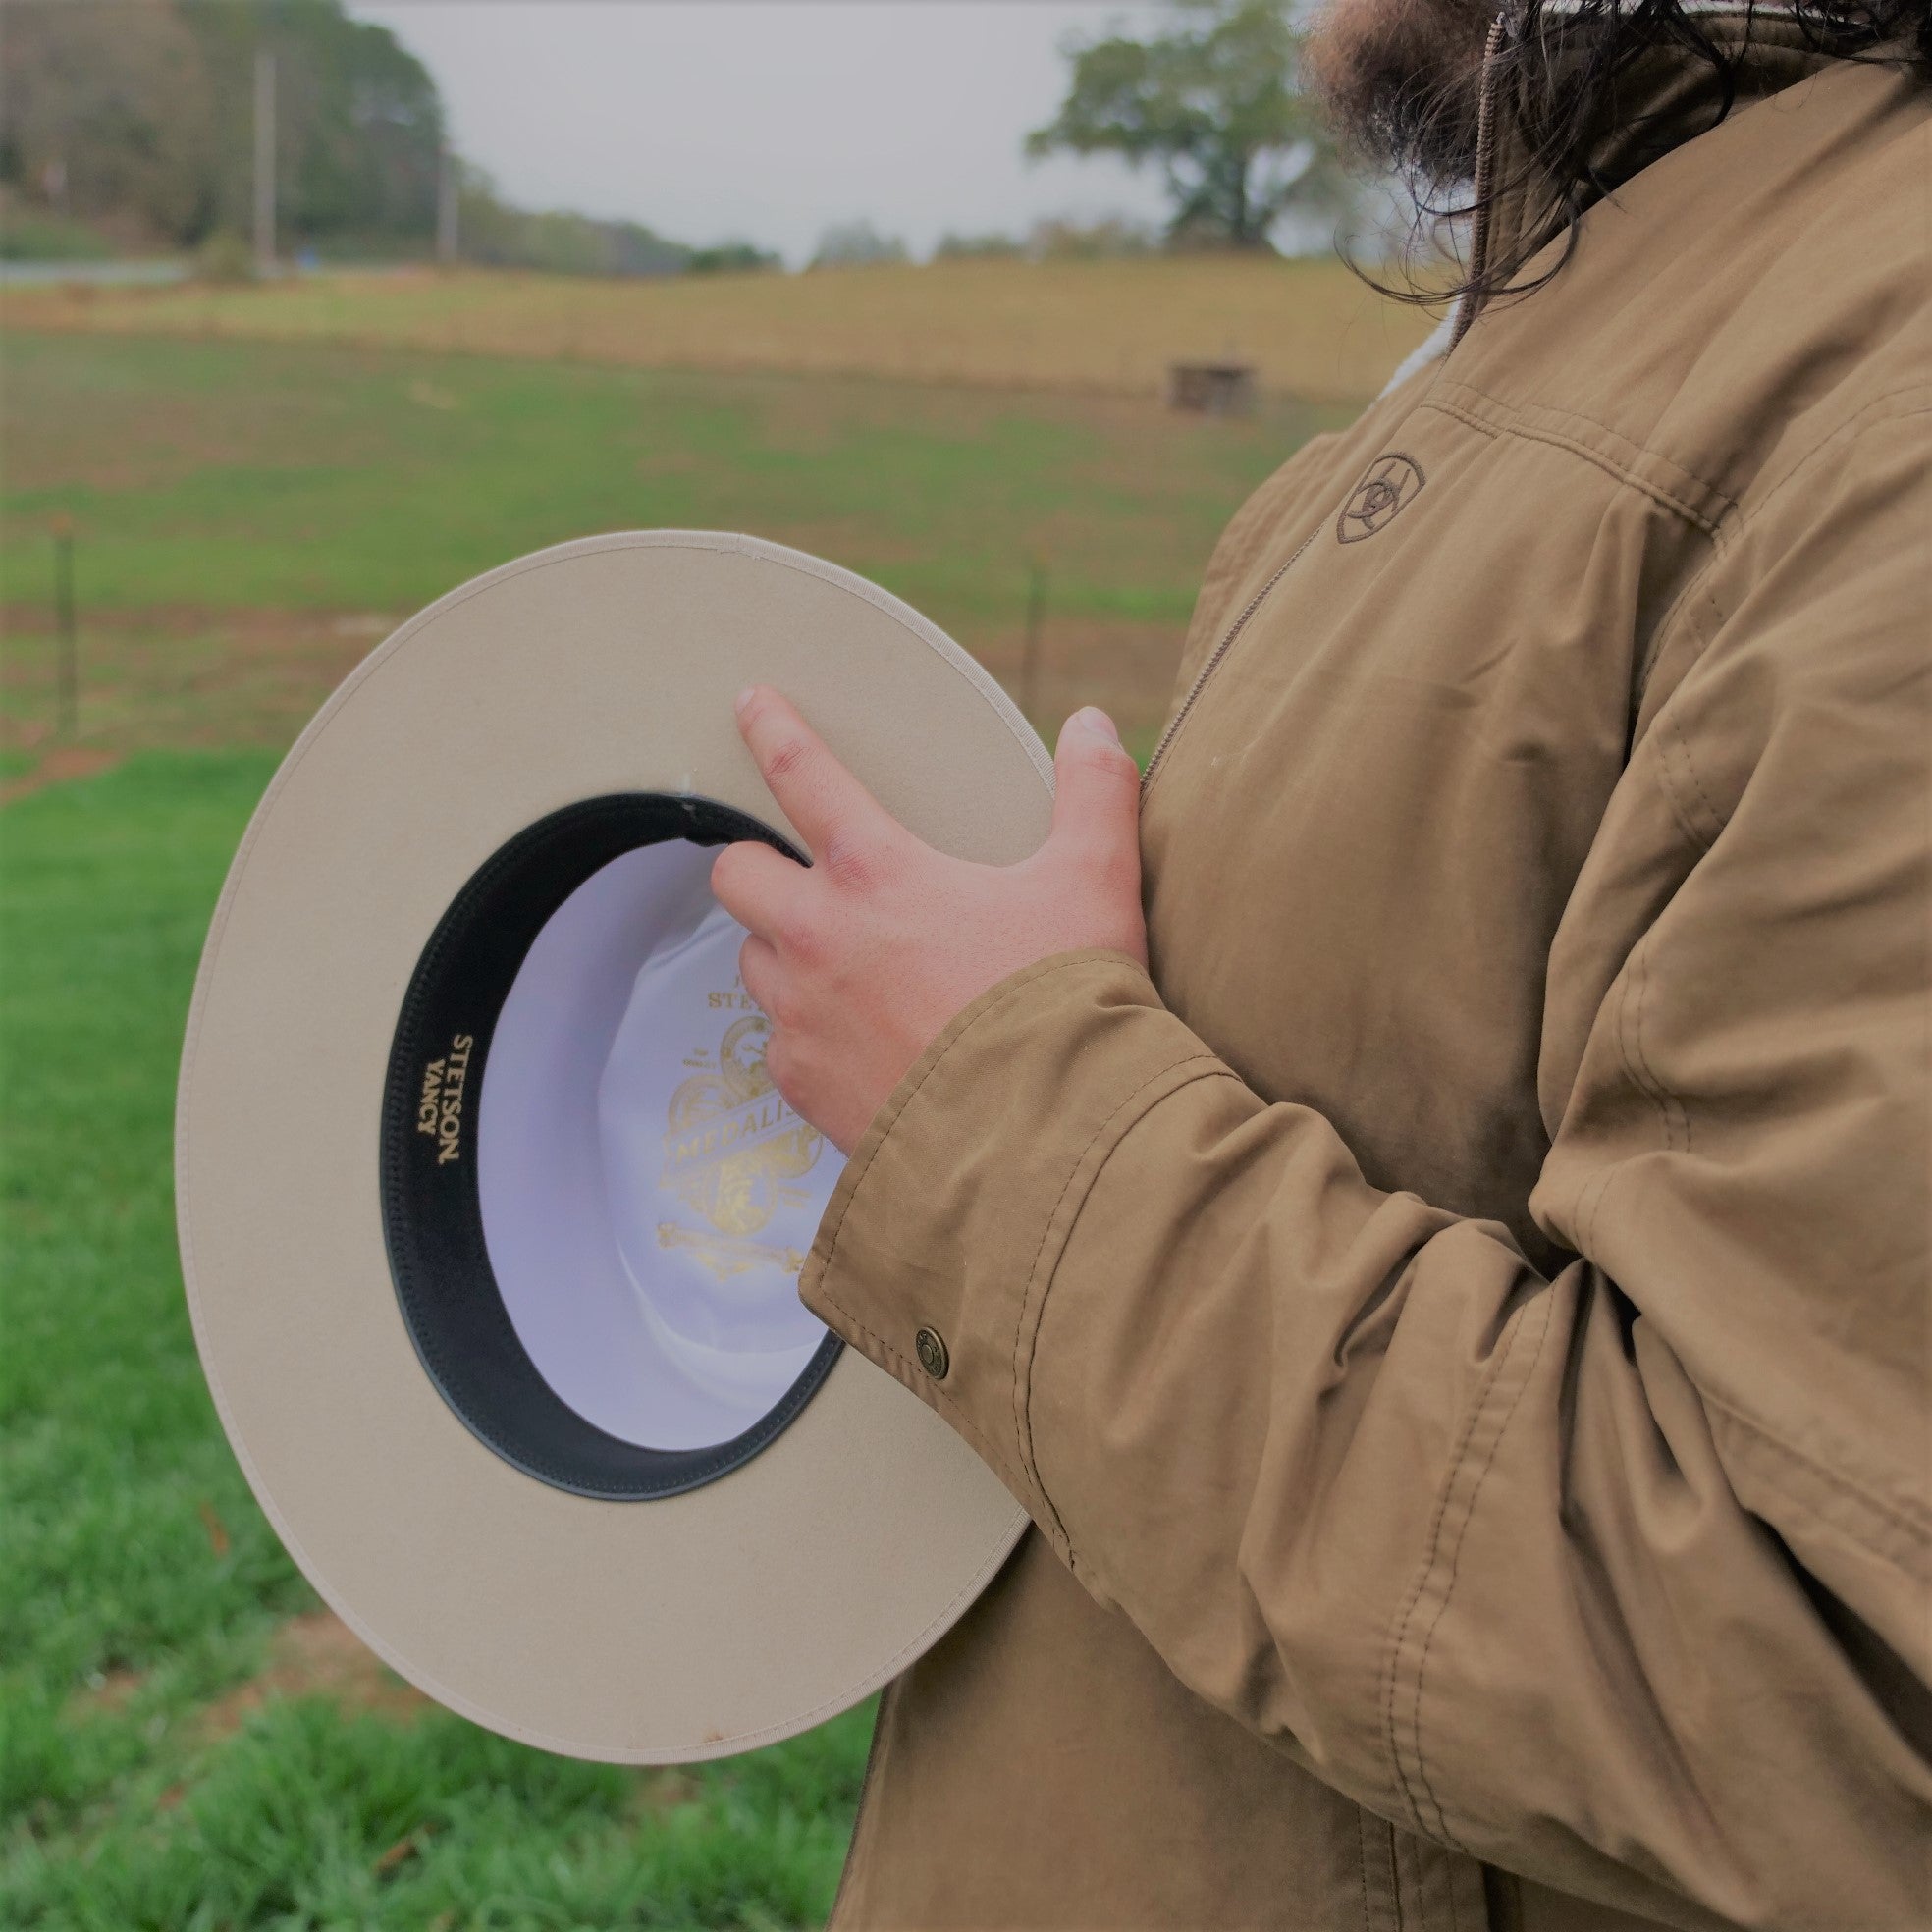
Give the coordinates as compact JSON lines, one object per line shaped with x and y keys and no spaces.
{"x":732,"y":1149}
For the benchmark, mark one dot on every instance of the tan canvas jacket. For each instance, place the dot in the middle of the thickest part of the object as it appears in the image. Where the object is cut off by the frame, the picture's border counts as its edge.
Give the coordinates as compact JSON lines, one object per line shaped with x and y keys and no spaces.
{"x":1461,"y":1326}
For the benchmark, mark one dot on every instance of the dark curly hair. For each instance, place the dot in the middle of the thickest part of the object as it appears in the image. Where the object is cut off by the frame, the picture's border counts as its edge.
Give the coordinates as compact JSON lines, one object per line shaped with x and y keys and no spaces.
{"x":1558,"y":67}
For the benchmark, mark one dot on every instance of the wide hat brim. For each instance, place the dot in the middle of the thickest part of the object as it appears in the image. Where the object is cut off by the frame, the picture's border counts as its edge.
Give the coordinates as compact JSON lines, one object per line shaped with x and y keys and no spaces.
{"x":687,"y":1626}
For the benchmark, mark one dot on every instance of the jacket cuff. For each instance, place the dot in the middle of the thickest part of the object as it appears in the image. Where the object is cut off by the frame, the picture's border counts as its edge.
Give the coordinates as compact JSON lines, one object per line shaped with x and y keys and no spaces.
{"x":935,"y":1248}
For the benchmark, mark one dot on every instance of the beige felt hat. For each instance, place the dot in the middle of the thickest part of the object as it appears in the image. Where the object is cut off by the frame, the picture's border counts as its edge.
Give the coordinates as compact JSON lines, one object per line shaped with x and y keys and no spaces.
{"x":490,"y":1215}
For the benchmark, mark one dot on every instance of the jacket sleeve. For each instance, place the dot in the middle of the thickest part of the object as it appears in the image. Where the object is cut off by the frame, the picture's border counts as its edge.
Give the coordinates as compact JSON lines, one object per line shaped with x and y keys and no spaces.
{"x":1616,"y":1576}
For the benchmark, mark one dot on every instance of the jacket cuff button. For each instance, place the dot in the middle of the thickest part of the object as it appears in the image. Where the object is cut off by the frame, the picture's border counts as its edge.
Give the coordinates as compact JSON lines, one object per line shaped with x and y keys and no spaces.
{"x":930,"y":1347}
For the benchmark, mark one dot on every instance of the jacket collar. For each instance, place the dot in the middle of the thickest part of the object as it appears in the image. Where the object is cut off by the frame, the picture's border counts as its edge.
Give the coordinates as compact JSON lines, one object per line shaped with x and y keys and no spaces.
{"x":1663,"y":97}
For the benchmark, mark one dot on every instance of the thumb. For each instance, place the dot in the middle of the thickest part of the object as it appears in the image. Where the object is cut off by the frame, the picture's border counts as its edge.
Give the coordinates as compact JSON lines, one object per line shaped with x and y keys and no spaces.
{"x":1097,"y":799}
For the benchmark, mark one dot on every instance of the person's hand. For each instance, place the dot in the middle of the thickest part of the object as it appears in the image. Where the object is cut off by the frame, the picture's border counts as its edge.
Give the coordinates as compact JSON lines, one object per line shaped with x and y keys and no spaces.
{"x":861,"y":959}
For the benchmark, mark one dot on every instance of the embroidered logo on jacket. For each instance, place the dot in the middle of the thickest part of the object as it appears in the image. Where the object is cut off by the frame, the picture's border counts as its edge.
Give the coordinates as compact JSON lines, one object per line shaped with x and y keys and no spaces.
{"x":1391,"y":482}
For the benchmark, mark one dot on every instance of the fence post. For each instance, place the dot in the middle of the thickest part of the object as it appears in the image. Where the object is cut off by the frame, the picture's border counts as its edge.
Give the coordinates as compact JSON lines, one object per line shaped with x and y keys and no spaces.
{"x":264,"y":162}
{"x":67,"y":672}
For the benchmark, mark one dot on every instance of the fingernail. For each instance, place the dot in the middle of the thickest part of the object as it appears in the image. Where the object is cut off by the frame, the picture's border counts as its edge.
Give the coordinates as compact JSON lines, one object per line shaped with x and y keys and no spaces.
{"x":742,"y":702}
{"x":1090,"y":717}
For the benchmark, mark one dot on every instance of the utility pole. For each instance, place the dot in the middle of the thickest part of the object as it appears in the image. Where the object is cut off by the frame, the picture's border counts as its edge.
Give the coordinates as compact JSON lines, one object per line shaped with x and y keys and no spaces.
{"x":449,"y":182}
{"x":264,"y":162}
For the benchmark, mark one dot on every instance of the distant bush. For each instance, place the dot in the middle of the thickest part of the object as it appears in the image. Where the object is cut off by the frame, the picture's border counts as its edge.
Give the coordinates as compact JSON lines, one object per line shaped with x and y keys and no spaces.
{"x":731,"y":258}
{"x":225,"y":258}
{"x":1111,"y":235}
{"x":495,"y":235}
{"x":857,"y":245}
{"x":977,"y":248}
{"x":40,"y":237}
{"x":498,"y":236}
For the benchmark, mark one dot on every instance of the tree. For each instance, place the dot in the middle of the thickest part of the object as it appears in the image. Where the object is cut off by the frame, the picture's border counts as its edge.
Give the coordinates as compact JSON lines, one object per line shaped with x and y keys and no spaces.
{"x":143,"y":112}
{"x":1215,"y":104}
{"x":111,"y":104}
{"x":857,"y":245}
{"x":358,"y":125}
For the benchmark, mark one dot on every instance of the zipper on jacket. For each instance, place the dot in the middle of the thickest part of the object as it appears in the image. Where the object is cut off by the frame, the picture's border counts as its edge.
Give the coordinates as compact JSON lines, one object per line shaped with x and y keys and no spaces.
{"x":1485,"y":166}
{"x":1214,"y":658}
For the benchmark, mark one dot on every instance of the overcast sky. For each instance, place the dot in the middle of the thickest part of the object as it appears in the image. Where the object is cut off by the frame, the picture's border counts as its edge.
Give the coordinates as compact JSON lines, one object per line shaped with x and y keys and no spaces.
{"x":768,"y":120}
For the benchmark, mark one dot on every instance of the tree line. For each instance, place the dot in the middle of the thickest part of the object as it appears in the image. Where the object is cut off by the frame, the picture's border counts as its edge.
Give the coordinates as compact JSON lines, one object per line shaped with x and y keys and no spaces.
{"x":136,"y":118}
{"x":139,"y":116}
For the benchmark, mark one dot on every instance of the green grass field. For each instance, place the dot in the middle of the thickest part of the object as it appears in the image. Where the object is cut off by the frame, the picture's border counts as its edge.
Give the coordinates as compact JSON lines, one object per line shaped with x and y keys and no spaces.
{"x":225,"y":475}
{"x":188,"y":1742}
{"x":143,"y":1781}
{"x":249,"y":517}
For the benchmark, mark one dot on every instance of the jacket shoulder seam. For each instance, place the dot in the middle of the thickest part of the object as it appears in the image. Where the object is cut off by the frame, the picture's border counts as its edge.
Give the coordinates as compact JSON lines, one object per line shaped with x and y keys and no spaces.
{"x":1877,"y":410}
{"x":1670,"y":730}
{"x":1698,"y":500}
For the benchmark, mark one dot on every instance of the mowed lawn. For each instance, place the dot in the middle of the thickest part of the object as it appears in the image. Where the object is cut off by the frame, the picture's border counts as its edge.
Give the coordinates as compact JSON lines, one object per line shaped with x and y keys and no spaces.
{"x":187,"y":1742}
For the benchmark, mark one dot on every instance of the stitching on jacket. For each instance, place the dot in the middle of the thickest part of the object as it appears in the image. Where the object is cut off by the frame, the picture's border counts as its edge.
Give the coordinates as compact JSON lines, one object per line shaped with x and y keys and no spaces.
{"x":1361,"y":1865}
{"x":1546,"y":1309}
{"x":1661,"y":1093}
{"x":1629,"y":1033}
{"x":1542,"y":418}
{"x":1491,"y":1373}
{"x":1877,"y":410}
{"x":1399,"y":1868}
{"x":1672,"y":740}
{"x":1602,"y":458}
{"x":1395,"y":1882}
{"x":1661,"y":635}
{"x":1022,"y":1420}
{"x":918,"y":1381}
{"x":916,"y":1384}
{"x":1607,"y":1185}
{"x":1673,"y":728}
{"x":1718,"y":819}
{"x":1897,"y":1513}
{"x":1670,"y":744}
{"x":1723,"y":542}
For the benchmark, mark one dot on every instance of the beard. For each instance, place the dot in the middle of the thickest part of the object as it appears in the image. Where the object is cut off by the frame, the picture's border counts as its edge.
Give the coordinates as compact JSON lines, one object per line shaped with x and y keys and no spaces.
{"x":1400,"y":83}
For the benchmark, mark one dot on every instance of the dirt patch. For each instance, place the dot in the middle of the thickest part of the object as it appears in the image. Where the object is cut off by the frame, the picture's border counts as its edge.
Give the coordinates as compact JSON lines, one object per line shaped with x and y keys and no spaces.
{"x":315,"y":1656}
{"x":112,"y":1691}
{"x":64,"y":762}
{"x":663,"y":1790}
{"x":174,"y":676}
